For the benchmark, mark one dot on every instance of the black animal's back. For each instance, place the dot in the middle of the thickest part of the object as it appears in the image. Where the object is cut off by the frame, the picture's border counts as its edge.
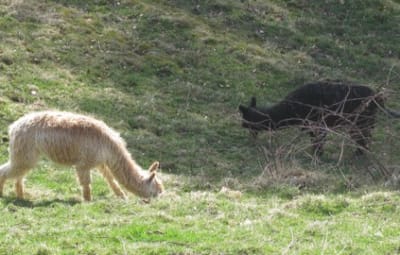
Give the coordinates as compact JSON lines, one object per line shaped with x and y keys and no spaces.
{"x":330,"y":95}
{"x":332,"y":102}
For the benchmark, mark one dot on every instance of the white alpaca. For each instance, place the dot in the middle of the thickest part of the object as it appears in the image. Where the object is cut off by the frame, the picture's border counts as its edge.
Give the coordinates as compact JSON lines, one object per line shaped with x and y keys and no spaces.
{"x":78,"y":140}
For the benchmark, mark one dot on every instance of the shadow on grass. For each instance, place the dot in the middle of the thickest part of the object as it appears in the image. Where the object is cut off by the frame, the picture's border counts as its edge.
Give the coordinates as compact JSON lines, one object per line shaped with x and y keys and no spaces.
{"x":45,"y":203}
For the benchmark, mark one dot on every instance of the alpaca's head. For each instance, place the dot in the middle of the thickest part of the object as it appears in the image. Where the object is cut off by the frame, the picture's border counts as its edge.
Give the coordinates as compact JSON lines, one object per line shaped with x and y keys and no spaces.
{"x":254,"y":118}
{"x":154,"y":186}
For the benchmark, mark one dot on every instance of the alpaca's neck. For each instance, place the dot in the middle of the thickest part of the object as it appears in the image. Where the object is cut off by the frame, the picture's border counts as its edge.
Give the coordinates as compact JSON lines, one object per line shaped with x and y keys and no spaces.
{"x":127,"y":172}
{"x":281,"y":115}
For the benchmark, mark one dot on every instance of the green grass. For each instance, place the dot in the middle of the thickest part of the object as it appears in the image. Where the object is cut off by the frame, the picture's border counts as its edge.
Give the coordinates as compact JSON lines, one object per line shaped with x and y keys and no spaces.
{"x":169,"y":76}
{"x":200,"y":222}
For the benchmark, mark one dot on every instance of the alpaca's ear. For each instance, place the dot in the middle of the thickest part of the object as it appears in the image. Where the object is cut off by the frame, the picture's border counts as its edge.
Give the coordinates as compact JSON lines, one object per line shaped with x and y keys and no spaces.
{"x":253,"y":102}
{"x":151,"y":177}
{"x":242,"y":108}
{"x":154,"y":166}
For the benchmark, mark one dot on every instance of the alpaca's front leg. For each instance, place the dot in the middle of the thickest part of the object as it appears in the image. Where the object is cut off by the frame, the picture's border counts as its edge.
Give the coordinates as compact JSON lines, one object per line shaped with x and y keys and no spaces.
{"x":318,"y":141}
{"x":84,"y":180}
{"x":117,"y":190}
{"x":111,"y":181}
{"x":19,"y":188}
{"x":2,"y":181}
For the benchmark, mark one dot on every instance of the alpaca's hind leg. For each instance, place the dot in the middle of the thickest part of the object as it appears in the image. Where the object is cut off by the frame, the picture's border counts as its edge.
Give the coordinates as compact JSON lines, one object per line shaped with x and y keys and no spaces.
{"x":16,"y":171}
{"x":84,"y":180}
{"x":4,"y":171}
{"x":361,"y":138}
{"x":111,"y":181}
{"x":361,"y":133}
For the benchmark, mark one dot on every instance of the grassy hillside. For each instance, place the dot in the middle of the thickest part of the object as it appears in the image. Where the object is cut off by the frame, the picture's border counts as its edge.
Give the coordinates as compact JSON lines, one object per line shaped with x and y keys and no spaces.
{"x":169,"y":76}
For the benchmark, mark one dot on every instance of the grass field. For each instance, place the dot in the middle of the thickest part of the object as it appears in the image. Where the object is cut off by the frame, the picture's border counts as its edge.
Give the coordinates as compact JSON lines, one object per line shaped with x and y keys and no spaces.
{"x":169,"y":76}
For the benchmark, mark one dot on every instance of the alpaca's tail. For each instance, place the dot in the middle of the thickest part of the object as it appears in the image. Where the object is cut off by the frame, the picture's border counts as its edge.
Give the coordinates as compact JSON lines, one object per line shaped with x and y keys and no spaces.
{"x":5,"y":169}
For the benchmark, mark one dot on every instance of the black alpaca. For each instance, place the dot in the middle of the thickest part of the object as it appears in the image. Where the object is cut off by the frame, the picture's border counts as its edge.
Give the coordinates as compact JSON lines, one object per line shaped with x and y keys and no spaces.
{"x":318,"y":106}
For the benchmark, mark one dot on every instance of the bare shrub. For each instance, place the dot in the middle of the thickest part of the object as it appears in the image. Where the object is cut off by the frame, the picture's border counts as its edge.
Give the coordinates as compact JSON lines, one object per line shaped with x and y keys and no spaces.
{"x":292,"y":161}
